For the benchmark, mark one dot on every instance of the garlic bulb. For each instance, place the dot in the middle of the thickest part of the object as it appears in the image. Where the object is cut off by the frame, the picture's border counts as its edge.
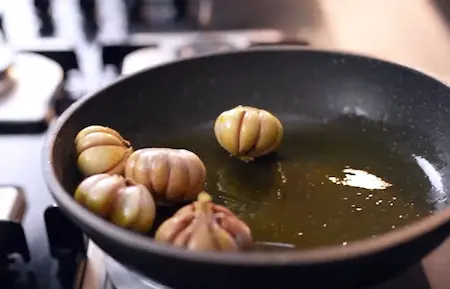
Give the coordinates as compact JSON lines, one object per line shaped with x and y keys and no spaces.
{"x":205,"y":226}
{"x":110,"y":197}
{"x":247,"y":132}
{"x":171,"y":175}
{"x":101,"y":150}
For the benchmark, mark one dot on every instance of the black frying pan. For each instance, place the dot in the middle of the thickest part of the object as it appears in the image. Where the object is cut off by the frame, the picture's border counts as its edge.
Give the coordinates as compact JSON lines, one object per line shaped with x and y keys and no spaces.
{"x":339,"y":111}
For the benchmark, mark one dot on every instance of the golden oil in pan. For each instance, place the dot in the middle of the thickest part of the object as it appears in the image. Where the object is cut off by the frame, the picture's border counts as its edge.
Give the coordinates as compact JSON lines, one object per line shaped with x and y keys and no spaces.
{"x":327,"y":184}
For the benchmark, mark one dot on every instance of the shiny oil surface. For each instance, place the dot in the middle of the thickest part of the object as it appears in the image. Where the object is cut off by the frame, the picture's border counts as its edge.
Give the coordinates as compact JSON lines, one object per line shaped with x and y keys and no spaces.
{"x":330,"y":182}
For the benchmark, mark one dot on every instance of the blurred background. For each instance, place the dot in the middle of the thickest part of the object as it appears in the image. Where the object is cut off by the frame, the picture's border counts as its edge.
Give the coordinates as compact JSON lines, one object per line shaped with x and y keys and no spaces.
{"x":52,"y":52}
{"x":90,"y":39}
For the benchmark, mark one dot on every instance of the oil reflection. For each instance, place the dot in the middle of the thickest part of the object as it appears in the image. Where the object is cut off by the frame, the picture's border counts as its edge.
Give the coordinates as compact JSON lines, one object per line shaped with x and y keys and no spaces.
{"x":435,"y":178}
{"x":360,"y":179}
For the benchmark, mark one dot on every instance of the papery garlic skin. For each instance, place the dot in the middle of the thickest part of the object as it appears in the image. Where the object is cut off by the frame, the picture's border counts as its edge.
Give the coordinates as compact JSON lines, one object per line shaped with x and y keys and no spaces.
{"x":247,"y":132}
{"x":101,"y":150}
{"x":205,"y":226}
{"x":171,"y":175}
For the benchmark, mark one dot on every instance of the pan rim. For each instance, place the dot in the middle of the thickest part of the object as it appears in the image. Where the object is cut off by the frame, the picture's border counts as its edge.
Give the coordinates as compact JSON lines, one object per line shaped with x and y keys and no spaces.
{"x":359,"y":248}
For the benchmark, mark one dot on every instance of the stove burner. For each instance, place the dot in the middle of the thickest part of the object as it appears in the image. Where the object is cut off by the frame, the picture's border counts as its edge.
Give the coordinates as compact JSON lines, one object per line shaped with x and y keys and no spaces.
{"x":203,"y":47}
{"x":123,"y":278}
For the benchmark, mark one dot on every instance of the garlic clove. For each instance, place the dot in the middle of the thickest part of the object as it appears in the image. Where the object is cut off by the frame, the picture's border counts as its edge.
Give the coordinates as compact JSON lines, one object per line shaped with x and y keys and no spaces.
{"x":138,"y":176}
{"x":134,"y":209}
{"x":148,"y":212}
{"x":270,"y":134}
{"x":100,"y":197}
{"x":223,"y":239}
{"x":126,"y":208}
{"x":249,"y":132}
{"x":170,"y":228}
{"x":101,"y":159}
{"x":119,"y":168}
{"x":183,"y":237}
{"x":84,"y":187}
{"x":239,"y":230}
{"x":160,"y":173}
{"x":227,"y":129}
{"x":97,"y":139}
{"x":178,"y":179}
{"x":99,"y":128}
{"x":197,"y":173}
{"x":202,"y":239}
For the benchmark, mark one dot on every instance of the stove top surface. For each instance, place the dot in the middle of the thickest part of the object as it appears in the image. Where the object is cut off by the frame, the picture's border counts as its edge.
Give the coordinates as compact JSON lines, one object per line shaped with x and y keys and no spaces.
{"x":104,"y":272}
{"x":122,"y":278}
{"x":119,"y":277}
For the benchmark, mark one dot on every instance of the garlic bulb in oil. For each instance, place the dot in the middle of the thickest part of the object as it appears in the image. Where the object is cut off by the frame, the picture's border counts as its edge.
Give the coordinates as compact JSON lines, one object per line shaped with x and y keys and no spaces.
{"x":171,"y":175}
{"x":205,"y":226}
{"x":101,"y":150}
{"x":247,"y":132}
{"x":115,"y":199}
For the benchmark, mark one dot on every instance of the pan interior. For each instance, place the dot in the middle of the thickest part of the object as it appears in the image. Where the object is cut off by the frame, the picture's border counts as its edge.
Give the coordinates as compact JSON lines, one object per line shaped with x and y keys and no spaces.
{"x":330,"y":182}
{"x":365,"y":149}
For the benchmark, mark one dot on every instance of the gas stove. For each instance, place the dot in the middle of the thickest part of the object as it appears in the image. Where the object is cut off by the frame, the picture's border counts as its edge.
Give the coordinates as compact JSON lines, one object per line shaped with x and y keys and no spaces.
{"x":74,"y":54}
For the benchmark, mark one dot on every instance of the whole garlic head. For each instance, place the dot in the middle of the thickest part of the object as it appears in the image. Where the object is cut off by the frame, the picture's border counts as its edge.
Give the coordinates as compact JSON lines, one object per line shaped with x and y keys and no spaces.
{"x":171,"y":175}
{"x":247,"y":132}
{"x":205,"y":226}
{"x":101,"y":150}
{"x":111,"y":197}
